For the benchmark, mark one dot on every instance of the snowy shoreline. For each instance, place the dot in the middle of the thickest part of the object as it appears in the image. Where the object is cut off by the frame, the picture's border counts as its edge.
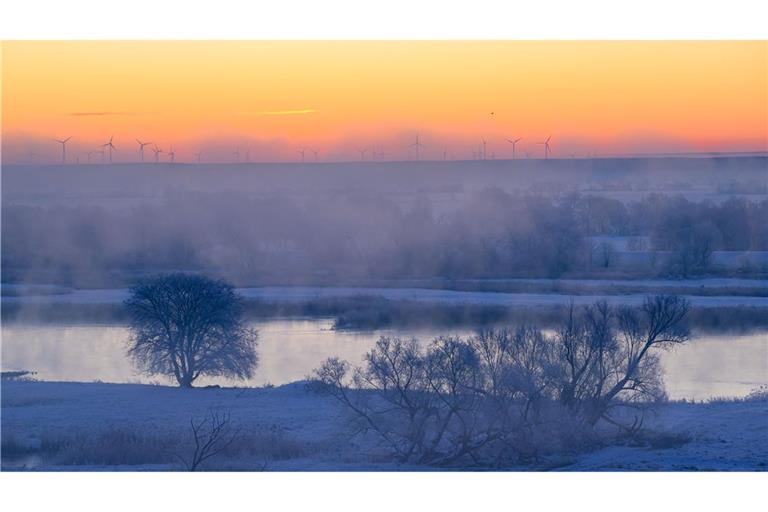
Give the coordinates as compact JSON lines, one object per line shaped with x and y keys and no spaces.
{"x":725,"y":436}
{"x":286,"y":294}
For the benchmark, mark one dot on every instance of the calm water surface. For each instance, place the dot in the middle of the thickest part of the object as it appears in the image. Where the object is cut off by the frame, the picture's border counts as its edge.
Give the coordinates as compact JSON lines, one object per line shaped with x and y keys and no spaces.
{"x":709,"y":366}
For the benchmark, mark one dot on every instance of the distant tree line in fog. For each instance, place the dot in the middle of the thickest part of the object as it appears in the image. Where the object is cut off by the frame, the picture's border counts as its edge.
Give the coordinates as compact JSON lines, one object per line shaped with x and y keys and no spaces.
{"x":490,"y":234}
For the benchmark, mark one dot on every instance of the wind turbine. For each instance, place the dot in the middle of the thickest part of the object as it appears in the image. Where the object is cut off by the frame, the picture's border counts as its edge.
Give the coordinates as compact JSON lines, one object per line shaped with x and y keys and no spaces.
{"x":197,"y":155}
{"x":417,"y":145}
{"x":141,"y":148}
{"x":379,"y":153}
{"x":302,"y":151}
{"x":315,"y":152}
{"x":445,"y":153}
{"x":362,"y":152}
{"x":172,"y":155}
{"x":63,"y":149}
{"x":514,"y":143}
{"x":236,"y":152}
{"x":485,"y":152}
{"x":546,"y":147}
{"x":247,"y":155}
{"x":110,"y":146}
{"x":157,"y":151}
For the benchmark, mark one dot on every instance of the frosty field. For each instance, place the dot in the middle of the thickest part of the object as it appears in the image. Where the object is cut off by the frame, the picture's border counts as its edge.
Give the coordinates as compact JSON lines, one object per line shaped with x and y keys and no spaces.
{"x":297,"y":430}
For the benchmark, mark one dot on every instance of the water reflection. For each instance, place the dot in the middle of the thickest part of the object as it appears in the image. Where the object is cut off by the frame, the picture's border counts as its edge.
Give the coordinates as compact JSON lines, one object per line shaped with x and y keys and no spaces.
{"x":709,"y":366}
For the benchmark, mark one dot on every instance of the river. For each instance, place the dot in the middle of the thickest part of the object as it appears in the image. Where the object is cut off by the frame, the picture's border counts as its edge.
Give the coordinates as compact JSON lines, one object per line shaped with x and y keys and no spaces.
{"x":709,"y":366}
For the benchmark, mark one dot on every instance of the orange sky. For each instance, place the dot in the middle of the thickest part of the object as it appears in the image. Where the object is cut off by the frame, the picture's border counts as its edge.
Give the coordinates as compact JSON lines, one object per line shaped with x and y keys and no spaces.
{"x":276,"y":97}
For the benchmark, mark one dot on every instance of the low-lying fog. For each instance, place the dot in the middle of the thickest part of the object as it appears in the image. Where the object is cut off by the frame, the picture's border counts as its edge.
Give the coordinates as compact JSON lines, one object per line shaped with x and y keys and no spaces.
{"x":326,"y":223}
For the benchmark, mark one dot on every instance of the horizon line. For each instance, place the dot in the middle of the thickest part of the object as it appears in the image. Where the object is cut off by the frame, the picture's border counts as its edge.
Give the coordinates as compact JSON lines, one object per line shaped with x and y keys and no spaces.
{"x":622,"y":156}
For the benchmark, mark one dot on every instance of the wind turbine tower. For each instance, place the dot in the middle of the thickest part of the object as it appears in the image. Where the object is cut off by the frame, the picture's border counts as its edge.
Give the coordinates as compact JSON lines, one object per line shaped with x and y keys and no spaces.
{"x":63,"y":143}
{"x":141,"y":148}
{"x":110,"y":146}
{"x":547,"y":149}
{"x":514,"y":143}
{"x":418,"y":146}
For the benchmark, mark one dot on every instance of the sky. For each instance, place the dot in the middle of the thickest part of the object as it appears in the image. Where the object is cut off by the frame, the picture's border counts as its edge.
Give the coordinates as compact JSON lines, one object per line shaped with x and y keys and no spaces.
{"x":347,"y":99}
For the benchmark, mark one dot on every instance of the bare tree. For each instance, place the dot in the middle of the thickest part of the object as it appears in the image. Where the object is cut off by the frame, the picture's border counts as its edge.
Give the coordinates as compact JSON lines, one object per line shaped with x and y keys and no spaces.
{"x":211,"y":435}
{"x":400,"y":408}
{"x":506,"y":395}
{"x":607,"y":356}
{"x":186,"y":326}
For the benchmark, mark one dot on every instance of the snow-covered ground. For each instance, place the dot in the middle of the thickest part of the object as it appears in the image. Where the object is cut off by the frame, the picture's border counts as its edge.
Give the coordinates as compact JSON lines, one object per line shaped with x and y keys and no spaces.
{"x":650,"y":284}
{"x":309,"y":293}
{"x":721,"y":436}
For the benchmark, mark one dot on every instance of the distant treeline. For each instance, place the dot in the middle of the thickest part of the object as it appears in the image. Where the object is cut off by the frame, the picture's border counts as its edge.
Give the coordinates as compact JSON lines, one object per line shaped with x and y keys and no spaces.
{"x":491,"y":234}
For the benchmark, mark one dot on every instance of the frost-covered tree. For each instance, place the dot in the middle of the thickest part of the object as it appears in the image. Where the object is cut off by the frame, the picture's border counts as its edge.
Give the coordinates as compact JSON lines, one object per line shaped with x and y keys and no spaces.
{"x":186,"y":326}
{"x":506,"y":396}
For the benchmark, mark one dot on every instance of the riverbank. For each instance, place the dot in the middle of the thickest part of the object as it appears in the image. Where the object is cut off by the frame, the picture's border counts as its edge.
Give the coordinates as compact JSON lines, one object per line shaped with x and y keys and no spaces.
{"x":706,"y":293}
{"x":718,"y":305}
{"x":96,"y":426}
